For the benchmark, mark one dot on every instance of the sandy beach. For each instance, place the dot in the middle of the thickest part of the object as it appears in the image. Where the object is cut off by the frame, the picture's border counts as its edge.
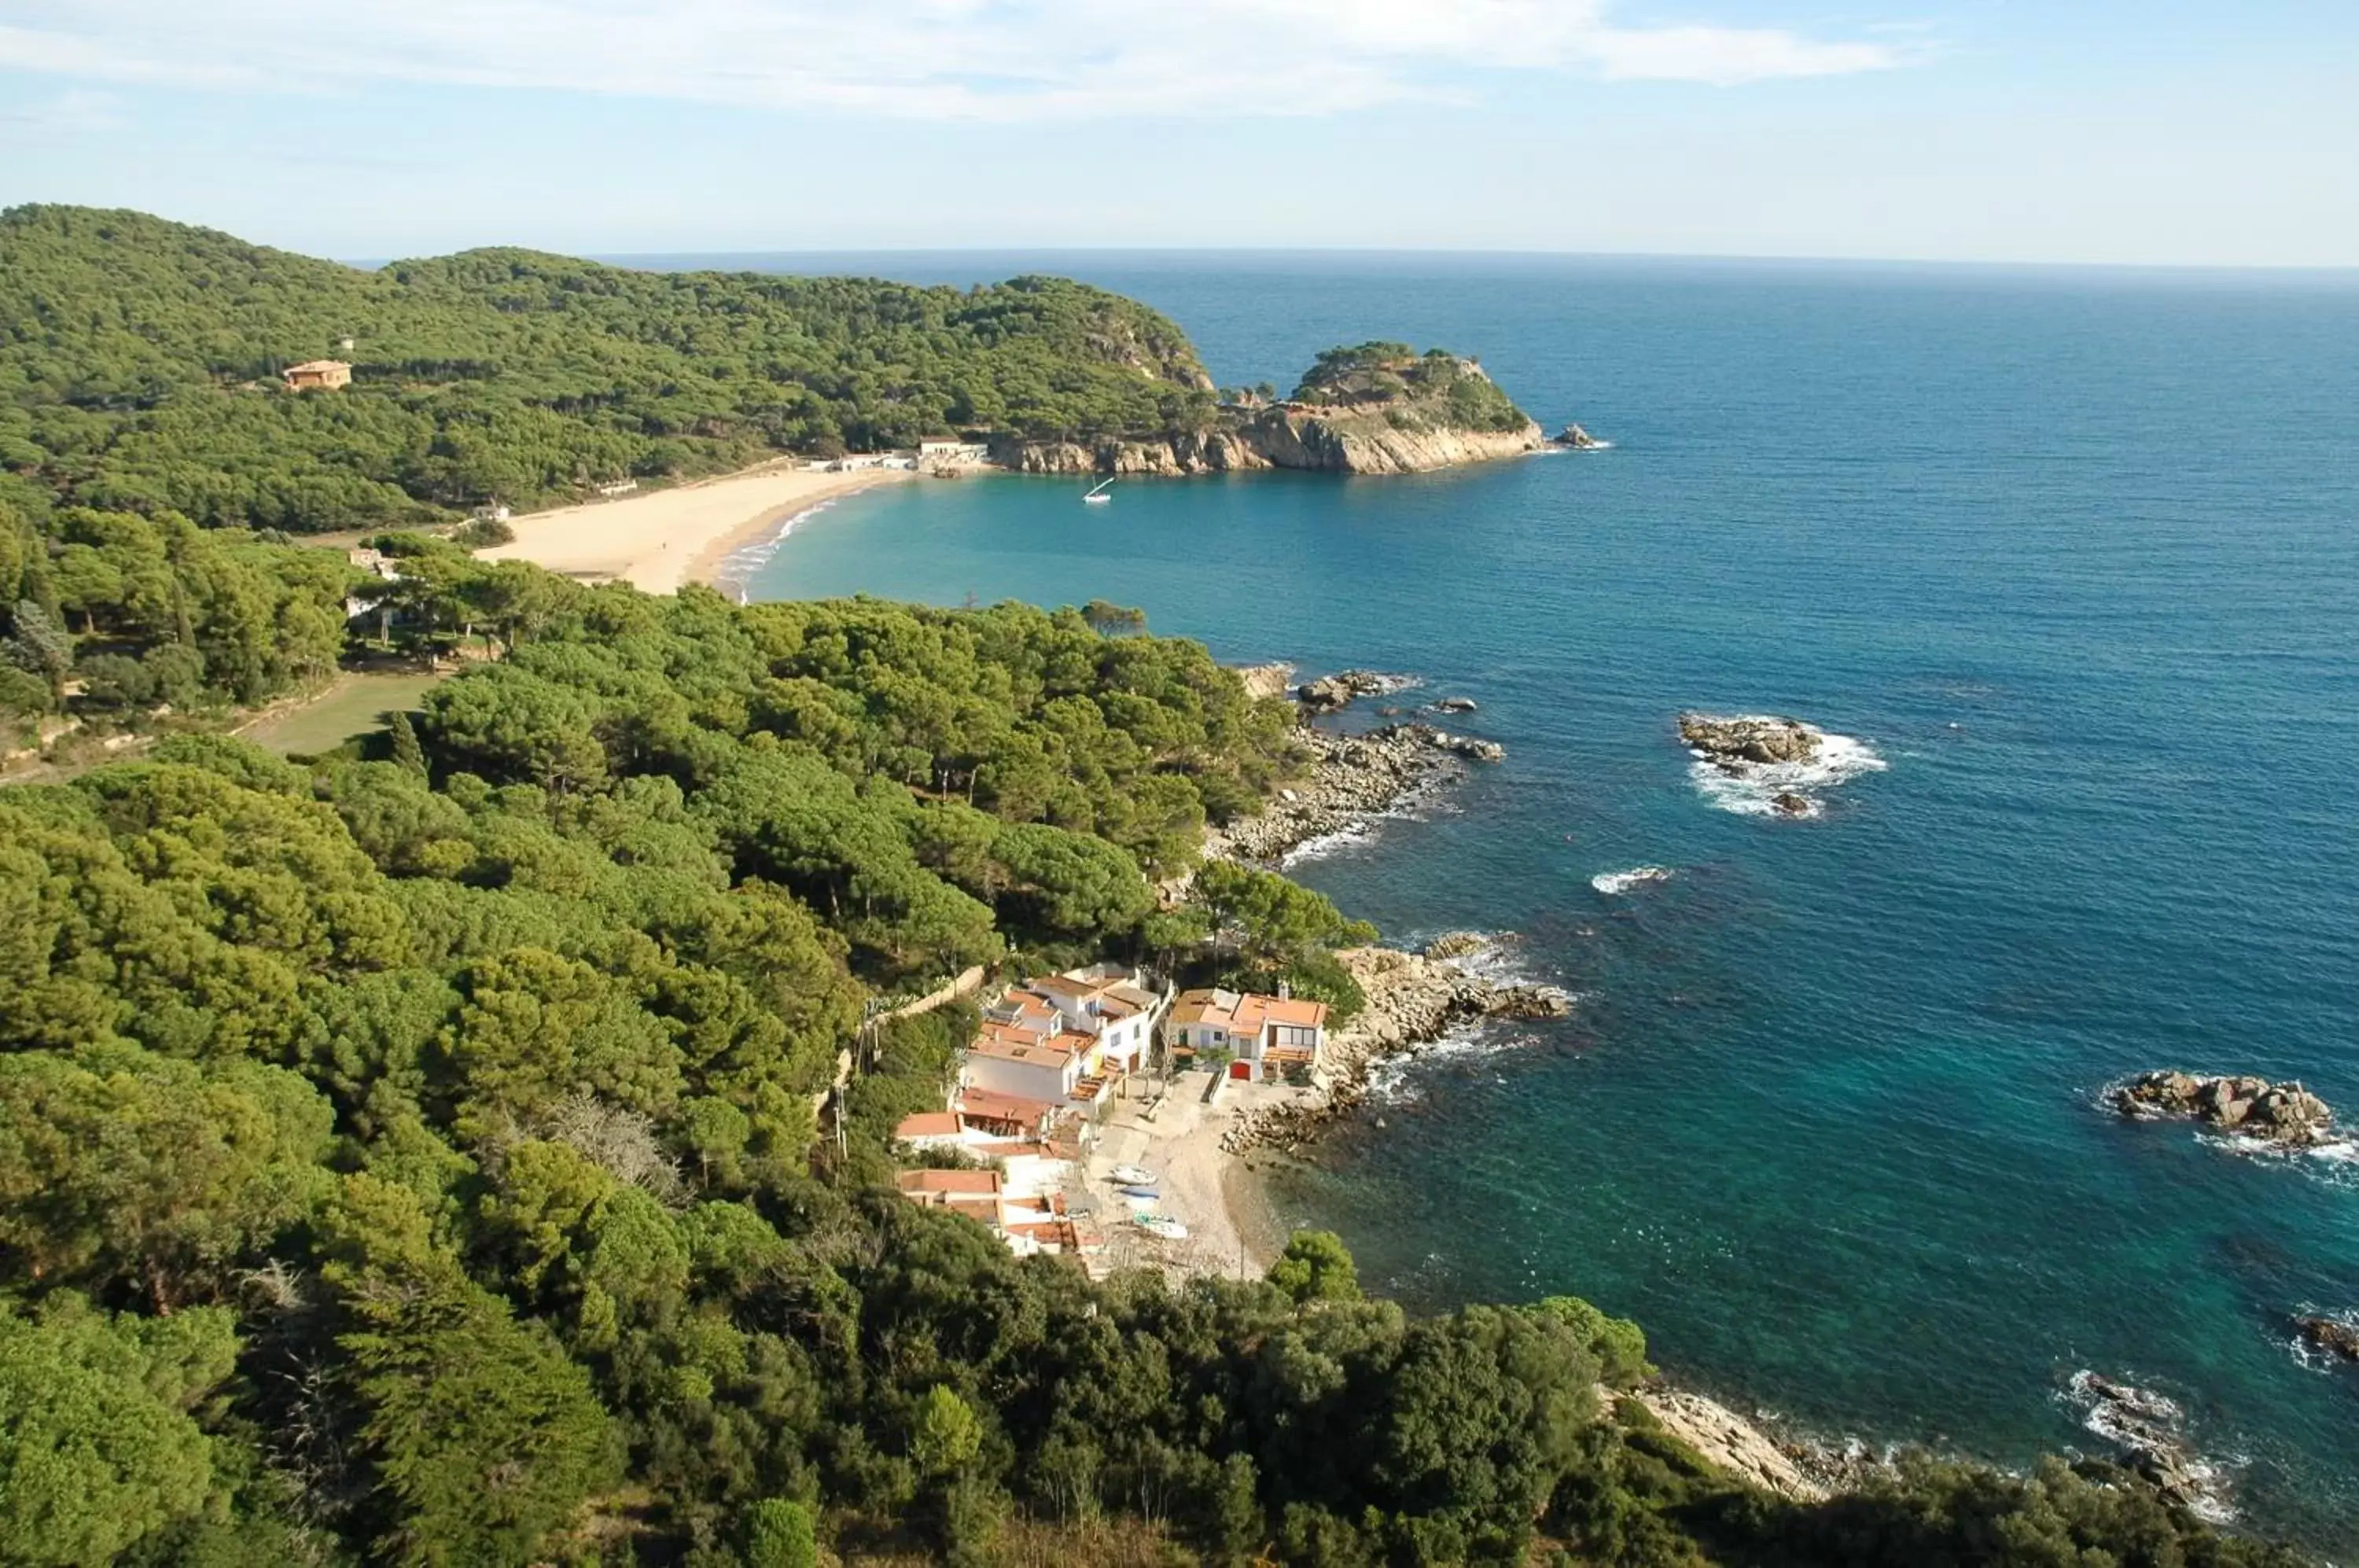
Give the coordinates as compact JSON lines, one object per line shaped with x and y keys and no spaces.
{"x":658,"y":540}
{"x":1230,"y":1229}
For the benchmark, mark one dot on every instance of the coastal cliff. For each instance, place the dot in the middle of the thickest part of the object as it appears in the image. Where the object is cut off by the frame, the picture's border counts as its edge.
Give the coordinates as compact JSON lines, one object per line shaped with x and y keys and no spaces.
{"x":1377,"y":408}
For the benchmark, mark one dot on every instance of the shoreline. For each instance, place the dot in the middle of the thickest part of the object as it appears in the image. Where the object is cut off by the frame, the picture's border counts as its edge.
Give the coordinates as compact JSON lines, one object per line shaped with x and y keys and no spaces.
{"x":778,"y":522}
{"x":664,"y":538}
{"x":1414,"y":1000}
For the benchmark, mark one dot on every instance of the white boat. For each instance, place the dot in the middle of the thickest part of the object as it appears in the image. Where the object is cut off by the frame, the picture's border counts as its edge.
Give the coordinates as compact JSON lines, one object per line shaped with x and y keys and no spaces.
{"x":1131,"y":1176}
{"x":1158,"y":1224}
{"x":1097,"y":495}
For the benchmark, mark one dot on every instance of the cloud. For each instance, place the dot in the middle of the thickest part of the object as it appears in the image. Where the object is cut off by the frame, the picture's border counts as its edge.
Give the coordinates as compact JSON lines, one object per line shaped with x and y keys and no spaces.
{"x":976,"y":60}
{"x":75,"y":111}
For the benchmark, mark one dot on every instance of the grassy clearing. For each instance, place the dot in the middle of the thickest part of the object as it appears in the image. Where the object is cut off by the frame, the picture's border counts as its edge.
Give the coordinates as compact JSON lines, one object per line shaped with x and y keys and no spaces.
{"x":357,"y":704}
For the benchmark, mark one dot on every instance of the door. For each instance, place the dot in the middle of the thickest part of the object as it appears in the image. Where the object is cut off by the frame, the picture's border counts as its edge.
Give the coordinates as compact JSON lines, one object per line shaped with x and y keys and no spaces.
{"x":1241,"y":1070}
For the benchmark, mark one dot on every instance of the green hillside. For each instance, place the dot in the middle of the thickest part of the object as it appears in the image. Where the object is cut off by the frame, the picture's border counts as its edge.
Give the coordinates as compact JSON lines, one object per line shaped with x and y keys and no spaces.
{"x":139,"y":366}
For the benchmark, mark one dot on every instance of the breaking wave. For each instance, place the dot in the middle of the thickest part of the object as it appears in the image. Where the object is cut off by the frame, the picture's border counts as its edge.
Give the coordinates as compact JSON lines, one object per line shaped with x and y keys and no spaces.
{"x":1611,"y":882}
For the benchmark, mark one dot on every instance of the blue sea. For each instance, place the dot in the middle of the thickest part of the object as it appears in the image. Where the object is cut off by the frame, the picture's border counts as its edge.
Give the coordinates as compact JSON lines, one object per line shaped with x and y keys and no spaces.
{"x":2074,"y":555}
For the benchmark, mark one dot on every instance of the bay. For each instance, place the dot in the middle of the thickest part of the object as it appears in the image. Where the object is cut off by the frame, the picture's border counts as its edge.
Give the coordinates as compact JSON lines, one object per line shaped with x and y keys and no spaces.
{"x":2076,"y":554}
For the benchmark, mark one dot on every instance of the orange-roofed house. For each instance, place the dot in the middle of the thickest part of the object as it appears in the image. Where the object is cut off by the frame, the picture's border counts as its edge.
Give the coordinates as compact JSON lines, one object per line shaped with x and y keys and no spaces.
{"x":318,"y":375}
{"x":930,"y":1129}
{"x":974,"y":1193}
{"x":1261,"y":1034}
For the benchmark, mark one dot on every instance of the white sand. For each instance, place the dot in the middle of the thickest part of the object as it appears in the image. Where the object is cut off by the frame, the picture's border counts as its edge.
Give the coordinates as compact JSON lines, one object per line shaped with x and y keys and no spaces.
{"x":665,"y":538}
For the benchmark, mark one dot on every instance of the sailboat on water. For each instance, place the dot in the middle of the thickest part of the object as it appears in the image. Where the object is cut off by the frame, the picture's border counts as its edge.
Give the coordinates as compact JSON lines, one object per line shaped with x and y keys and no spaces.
{"x":1097,"y":495}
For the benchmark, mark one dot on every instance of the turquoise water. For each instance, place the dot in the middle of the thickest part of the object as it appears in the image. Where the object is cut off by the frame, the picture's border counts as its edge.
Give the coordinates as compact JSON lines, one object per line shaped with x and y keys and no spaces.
{"x":2077,"y":555}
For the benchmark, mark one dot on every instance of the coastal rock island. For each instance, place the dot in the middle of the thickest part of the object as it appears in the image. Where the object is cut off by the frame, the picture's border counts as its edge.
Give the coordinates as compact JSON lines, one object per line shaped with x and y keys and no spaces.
{"x":1379,"y":407}
{"x":2253,"y":1107}
{"x":1753,"y":739}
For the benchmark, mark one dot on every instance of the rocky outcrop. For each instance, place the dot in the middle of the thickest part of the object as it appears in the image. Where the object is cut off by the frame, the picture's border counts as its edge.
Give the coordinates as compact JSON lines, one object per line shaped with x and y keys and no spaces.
{"x":1577,"y":439}
{"x":1413,"y":998}
{"x":1455,"y":706}
{"x":1204,"y":451}
{"x":1377,"y":441}
{"x":1754,"y":739}
{"x":2253,"y":1107}
{"x":1333,"y":693}
{"x":2149,"y":1430}
{"x":1457,"y":945}
{"x":1362,"y":413}
{"x":1731,"y":1442}
{"x":1324,"y":441}
{"x":1266,"y":681}
{"x":1353,"y":778}
{"x":2336,"y":1336}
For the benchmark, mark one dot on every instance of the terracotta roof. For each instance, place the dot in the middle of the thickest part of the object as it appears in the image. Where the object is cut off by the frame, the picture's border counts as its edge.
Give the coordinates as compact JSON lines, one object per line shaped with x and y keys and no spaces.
{"x":985,"y":1104}
{"x":1006,"y":1044}
{"x":316,"y":366}
{"x":927,"y":1123}
{"x":968,"y":1182}
{"x":1247,"y":1012}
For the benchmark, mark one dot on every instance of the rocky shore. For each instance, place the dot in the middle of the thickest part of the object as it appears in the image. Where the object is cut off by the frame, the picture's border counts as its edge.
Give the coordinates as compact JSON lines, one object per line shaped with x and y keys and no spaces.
{"x":1353,"y":779}
{"x":2147,"y":1429}
{"x":1734,"y":1443}
{"x":1333,"y":693}
{"x":2284,"y":1114}
{"x":1298,"y":436}
{"x":1414,"y":998}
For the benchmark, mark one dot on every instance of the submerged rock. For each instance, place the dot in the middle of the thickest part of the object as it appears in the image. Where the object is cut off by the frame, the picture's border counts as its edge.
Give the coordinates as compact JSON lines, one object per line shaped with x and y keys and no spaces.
{"x":2253,"y":1108}
{"x":2334,"y":1335}
{"x":1455,"y":706}
{"x":1790,"y":804}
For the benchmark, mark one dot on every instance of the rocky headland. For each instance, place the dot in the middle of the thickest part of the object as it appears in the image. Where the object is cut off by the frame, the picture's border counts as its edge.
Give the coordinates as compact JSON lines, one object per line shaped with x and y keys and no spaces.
{"x":2284,"y":1114}
{"x":1376,"y":408}
{"x":1353,"y":779}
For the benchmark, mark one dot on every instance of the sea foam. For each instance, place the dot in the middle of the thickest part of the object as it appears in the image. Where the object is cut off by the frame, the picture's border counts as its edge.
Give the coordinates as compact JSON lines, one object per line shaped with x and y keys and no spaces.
{"x":1611,"y":882}
{"x":740,"y":566}
{"x":1751,"y":789}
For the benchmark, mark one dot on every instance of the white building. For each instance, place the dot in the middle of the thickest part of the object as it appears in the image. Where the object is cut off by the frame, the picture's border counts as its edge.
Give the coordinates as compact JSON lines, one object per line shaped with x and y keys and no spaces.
{"x":1064,"y":1038}
{"x":1258,"y":1034}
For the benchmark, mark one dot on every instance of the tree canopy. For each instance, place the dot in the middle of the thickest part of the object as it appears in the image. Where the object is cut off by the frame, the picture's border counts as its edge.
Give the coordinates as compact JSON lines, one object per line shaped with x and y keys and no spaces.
{"x":140,"y":360}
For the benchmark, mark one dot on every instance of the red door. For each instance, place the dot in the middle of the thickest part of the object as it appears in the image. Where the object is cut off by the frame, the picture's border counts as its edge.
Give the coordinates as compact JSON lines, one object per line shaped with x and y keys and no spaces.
{"x":1241,"y":1070}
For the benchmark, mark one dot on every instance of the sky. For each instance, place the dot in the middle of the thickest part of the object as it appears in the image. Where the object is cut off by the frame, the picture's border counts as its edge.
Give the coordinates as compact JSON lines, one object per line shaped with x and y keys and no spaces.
{"x":2144,"y":132}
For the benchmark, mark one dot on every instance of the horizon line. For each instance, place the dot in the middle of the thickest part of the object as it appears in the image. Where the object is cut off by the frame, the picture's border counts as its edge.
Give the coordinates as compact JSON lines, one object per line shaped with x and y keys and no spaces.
{"x":2323,"y":270}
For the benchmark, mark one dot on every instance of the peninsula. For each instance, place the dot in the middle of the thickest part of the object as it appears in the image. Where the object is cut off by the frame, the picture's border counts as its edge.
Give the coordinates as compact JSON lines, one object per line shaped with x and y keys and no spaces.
{"x":160,"y":366}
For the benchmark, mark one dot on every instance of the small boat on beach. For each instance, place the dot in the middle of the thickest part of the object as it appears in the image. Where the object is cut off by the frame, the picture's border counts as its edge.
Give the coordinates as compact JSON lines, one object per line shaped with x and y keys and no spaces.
{"x":1159,"y":1224}
{"x":1131,"y":1176}
{"x":1097,"y":495}
{"x":1141,"y":1194}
